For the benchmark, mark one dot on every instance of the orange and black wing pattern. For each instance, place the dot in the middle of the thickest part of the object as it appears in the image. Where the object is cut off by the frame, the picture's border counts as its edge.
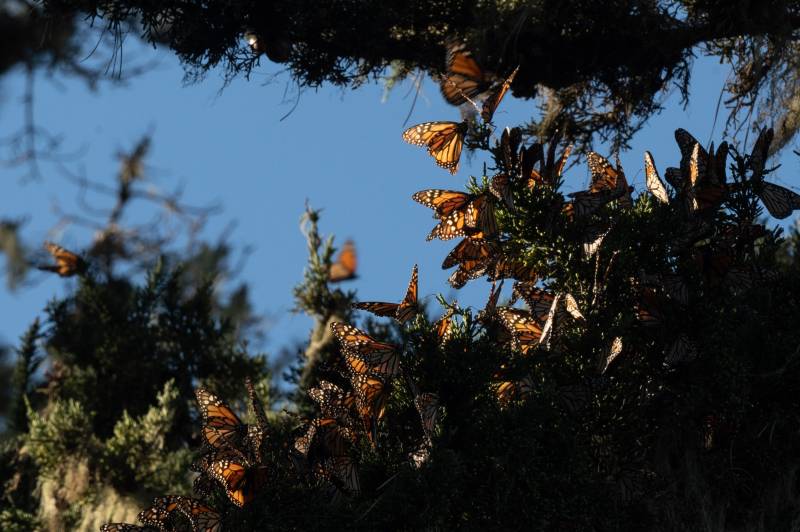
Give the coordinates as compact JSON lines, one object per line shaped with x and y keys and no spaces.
{"x":222,"y":428}
{"x":525,"y":329}
{"x":403,"y":311}
{"x":496,"y":96}
{"x":240,"y":480}
{"x":464,"y":77}
{"x":444,"y":141}
{"x":67,"y":263}
{"x":344,"y":268}
{"x":443,"y":202}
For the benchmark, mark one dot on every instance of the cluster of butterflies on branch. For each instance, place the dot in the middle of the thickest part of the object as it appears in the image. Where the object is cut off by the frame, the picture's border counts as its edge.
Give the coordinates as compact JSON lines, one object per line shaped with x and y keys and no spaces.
{"x":231,"y":461}
{"x":352,"y":403}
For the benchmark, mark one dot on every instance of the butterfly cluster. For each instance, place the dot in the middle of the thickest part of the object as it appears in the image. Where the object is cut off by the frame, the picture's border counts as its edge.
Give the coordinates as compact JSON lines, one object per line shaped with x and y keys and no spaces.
{"x":463,"y":81}
{"x":231,"y":462}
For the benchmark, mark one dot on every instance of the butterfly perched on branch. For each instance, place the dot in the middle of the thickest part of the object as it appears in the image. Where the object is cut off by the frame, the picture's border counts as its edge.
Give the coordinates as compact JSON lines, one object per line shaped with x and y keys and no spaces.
{"x":222,"y":429}
{"x":701,"y":178}
{"x":607,"y":178}
{"x":525,"y":328}
{"x":364,"y":354}
{"x":444,"y":141}
{"x":240,"y":480}
{"x":460,"y":214}
{"x":344,"y":267}
{"x":403,"y":311}
{"x":67,"y":263}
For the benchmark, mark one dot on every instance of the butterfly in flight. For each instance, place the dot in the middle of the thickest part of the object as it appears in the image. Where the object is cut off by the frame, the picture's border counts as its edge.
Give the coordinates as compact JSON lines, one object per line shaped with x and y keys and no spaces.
{"x":444,"y":141}
{"x":492,"y":101}
{"x":67,"y":263}
{"x":464,"y":79}
{"x":779,"y":201}
{"x":403,"y":311}
{"x":344,"y":268}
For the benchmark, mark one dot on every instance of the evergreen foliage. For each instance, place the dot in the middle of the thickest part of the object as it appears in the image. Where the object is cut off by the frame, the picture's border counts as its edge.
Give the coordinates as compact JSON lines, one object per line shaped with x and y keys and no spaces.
{"x":667,"y":401}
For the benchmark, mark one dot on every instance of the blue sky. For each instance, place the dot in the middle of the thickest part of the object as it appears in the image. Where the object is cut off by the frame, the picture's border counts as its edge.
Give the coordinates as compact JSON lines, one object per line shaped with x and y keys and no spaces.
{"x":340,"y":150}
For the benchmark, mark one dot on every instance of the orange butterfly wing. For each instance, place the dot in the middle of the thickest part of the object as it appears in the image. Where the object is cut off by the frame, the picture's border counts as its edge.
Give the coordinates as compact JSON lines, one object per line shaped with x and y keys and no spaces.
{"x":444,"y":141}
{"x":344,"y":268}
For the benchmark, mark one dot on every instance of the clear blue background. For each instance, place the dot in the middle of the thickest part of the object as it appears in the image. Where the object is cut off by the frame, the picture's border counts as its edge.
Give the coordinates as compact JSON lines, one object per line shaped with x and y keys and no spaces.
{"x":339,"y":149}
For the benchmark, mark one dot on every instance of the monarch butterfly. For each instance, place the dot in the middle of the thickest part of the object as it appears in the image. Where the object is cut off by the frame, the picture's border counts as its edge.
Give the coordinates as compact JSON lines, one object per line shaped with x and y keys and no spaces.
{"x":510,"y":141}
{"x":257,"y":431}
{"x":539,"y":301}
{"x":608,"y":356}
{"x":443,"y":202}
{"x":608,"y":178}
{"x":704,"y":189}
{"x":330,"y":398}
{"x":477,"y":218}
{"x":500,"y":187}
{"x":466,"y":271}
{"x":444,"y":141}
{"x":222,"y":428}
{"x":444,"y":326}
{"x":344,"y":268}
{"x":159,"y":511}
{"x":371,"y":395}
{"x":586,"y":202}
{"x":464,"y":78}
{"x":489,"y":310}
{"x":758,"y":157}
{"x":550,"y":169}
{"x":525,"y":329}
{"x":239,"y":479}
{"x":67,"y":263}
{"x":511,"y":390}
{"x":427,"y":404}
{"x":403,"y":311}
{"x":363,"y":353}
{"x":492,"y":101}
{"x":203,"y":518}
{"x":326,"y":445}
{"x":702,"y":173}
{"x":507,"y":268}
{"x":593,"y":239}
{"x":470,"y":250}
{"x":779,"y":201}
{"x":654,"y":183}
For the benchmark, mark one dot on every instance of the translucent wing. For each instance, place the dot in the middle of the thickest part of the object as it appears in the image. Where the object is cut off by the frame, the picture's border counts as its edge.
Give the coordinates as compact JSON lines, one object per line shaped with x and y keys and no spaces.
{"x":443,"y":202}
{"x":464,"y":77}
{"x":221,"y":426}
{"x":525,"y":329}
{"x":779,"y":201}
{"x":654,"y":183}
{"x":444,"y":141}
{"x":608,"y":356}
{"x":493,"y":100}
